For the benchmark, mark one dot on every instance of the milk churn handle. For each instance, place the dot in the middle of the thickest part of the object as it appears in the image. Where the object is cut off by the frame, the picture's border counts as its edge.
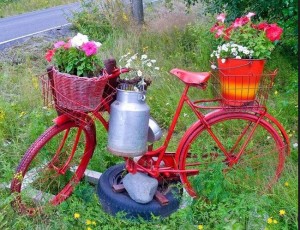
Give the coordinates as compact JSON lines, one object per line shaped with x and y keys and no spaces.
{"x":142,"y":97}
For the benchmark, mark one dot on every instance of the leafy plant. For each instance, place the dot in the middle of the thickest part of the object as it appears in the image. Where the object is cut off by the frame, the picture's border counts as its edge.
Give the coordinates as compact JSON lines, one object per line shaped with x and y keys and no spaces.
{"x":244,"y":39}
{"x":77,"y":56}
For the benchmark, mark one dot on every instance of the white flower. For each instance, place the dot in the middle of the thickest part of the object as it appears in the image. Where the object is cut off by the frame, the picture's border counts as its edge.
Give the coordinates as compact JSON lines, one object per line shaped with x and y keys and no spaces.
{"x":98,"y":44}
{"x":238,"y":57}
{"x":156,"y":68}
{"x":143,"y":57}
{"x":295,"y":145}
{"x":153,"y":61}
{"x":139,"y":73}
{"x":149,"y":64}
{"x":127,"y":65}
{"x":223,"y":60}
{"x":213,"y":66}
{"x":134,"y":57}
{"x":78,"y":40}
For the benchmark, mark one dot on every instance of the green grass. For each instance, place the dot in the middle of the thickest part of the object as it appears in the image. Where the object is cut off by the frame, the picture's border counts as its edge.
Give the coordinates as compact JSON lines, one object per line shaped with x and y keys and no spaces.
{"x":14,"y":7}
{"x":184,"y":45}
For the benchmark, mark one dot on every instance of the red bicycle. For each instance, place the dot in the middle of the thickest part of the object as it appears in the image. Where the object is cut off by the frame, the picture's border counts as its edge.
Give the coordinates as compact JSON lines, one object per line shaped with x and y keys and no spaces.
{"x":246,"y":140}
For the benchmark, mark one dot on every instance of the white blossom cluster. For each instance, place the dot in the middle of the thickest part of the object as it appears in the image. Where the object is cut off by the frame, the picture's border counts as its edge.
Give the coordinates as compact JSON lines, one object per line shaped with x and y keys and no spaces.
{"x":232,"y":50}
{"x":139,"y":64}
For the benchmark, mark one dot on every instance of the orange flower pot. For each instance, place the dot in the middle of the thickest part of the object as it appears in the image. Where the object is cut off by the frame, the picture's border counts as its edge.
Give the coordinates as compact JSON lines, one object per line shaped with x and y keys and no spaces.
{"x":240,"y":79}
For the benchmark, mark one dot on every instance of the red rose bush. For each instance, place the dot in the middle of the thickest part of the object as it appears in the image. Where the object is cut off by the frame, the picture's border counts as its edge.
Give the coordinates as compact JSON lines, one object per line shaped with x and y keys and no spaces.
{"x":76,"y":56}
{"x":244,"y":39}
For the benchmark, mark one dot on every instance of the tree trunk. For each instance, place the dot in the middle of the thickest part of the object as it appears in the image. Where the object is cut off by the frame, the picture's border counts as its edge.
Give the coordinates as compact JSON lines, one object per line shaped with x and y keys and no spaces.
{"x":137,"y":11}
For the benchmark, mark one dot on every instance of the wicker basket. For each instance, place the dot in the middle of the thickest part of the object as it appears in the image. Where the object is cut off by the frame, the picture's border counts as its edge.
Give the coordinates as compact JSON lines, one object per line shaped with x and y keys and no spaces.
{"x":77,"y":93}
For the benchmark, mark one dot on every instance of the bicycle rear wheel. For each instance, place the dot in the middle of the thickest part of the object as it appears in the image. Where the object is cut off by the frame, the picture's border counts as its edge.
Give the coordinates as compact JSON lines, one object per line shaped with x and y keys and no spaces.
{"x":52,"y":166}
{"x":258,"y":167}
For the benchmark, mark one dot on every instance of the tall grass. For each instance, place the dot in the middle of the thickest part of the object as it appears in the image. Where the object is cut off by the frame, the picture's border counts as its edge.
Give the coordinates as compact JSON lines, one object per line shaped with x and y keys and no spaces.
{"x":13,"y":7}
{"x":186,"y":45}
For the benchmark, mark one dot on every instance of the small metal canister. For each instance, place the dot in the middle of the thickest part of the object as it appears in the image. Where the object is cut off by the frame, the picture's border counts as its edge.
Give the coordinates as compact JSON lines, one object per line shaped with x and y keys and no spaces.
{"x":128,"y":124}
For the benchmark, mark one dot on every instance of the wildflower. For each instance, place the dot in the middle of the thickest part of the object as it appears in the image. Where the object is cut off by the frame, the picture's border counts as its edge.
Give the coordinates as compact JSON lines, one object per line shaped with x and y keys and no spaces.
{"x":281,"y":212}
{"x":125,"y":18}
{"x":22,"y":114}
{"x":200,"y":227}
{"x":76,"y":215}
{"x":270,"y":220}
{"x":295,"y":145}
{"x":275,"y":221}
{"x":139,"y":73}
{"x":286,"y":184}
{"x":88,"y":228}
{"x":88,"y":222}
{"x":94,"y":223}
{"x":90,"y":48}
{"x":276,"y":92}
{"x":2,"y":115}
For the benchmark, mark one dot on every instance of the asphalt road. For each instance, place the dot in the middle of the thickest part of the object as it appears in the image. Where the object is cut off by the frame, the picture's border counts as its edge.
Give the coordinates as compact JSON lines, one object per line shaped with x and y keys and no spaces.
{"x":20,"y":26}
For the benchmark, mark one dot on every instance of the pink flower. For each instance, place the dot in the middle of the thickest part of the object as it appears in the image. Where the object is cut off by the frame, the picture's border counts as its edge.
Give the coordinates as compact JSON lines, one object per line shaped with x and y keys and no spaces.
{"x":59,"y":44}
{"x":219,"y":31}
{"x":68,"y":45}
{"x":240,"y":22}
{"x":49,"y":55}
{"x":250,"y":14}
{"x":221,"y":17}
{"x":90,"y":48}
{"x":273,"y":32}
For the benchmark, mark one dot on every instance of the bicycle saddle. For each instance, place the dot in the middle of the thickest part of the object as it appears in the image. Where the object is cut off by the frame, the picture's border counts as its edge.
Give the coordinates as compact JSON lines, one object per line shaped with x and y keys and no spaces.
{"x":191,"y":78}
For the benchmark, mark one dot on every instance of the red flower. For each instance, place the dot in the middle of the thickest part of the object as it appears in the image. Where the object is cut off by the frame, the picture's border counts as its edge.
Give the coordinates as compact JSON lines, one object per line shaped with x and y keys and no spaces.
{"x":273,"y":32}
{"x":262,"y":26}
{"x":227,"y":33}
{"x":49,"y":55}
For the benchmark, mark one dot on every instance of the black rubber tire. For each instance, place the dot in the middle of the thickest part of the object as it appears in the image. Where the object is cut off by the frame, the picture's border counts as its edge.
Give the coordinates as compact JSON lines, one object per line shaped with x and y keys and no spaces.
{"x":113,"y":202}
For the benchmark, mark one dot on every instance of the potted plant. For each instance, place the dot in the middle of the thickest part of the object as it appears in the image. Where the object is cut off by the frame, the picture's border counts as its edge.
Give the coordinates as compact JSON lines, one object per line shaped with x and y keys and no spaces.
{"x":241,"y":54}
{"x":78,"y":82}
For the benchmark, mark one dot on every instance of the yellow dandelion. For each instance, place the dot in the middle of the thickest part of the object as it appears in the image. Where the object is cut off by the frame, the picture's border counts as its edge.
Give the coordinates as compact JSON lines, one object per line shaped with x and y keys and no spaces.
{"x":88,"y":228}
{"x":275,"y":221}
{"x":76,"y":215}
{"x":2,"y":115}
{"x":125,"y":18}
{"x":281,"y":212}
{"x":200,"y":227}
{"x":94,"y":223}
{"x":286,"y":184}
{"x":88,"y":222}
{"x":35,"y":82}
{"x":22,"y":114}
{"x":276,"y":92}
{"x":270,"y":220}
{"x":145,"y":49}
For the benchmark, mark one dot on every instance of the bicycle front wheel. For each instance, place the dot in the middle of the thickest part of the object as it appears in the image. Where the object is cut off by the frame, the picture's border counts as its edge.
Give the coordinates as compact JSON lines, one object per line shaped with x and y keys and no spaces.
{"x":249,"y":156}
{"x":52,"y":166}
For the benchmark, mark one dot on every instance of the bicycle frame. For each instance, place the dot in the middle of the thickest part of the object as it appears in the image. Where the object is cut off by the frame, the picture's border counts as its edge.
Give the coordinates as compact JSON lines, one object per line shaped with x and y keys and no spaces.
{"x":151,"y":162}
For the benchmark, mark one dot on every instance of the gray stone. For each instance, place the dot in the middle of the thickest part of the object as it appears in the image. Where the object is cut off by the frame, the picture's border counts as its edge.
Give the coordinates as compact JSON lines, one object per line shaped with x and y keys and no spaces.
{"x":140,"y":187}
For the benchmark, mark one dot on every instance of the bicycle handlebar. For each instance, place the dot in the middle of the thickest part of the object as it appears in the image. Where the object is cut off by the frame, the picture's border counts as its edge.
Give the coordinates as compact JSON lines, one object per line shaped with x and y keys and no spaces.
{"x":117,"y":71}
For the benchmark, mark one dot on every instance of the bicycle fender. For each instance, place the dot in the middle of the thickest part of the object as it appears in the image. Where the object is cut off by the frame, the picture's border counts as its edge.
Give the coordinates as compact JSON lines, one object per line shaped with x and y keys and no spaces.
{"x":61,"y":119}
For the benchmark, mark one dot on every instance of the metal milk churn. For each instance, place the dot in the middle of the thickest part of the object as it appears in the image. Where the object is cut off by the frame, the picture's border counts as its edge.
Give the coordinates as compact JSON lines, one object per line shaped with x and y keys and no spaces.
{"x":128,"y":124}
